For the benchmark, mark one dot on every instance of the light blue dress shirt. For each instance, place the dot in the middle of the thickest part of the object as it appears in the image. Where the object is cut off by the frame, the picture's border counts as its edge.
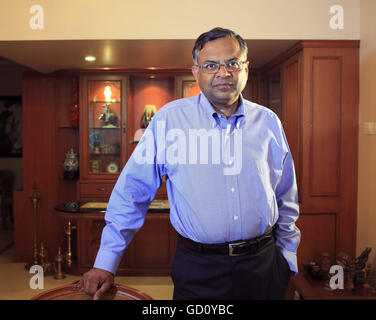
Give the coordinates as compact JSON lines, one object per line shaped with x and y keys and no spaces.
{"x":227,"y":179}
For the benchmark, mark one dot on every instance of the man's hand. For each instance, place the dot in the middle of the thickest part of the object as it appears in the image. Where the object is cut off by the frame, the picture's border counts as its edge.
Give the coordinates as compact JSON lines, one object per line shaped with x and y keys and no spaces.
{"x":96,"y":282}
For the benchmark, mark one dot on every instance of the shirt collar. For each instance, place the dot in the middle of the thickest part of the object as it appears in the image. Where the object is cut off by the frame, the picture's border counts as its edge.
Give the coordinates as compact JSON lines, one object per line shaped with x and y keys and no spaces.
{"x":212,"y":114}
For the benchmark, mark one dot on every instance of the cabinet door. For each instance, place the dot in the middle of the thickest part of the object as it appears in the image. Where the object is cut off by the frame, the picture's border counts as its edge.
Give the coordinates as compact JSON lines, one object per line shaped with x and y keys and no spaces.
{"x":152,"y":250}
{"x":186,"y":86}
{"x":103,"y":121}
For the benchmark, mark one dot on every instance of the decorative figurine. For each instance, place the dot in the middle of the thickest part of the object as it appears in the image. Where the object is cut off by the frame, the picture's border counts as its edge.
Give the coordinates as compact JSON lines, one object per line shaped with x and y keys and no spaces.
{"x":70,"y":165}
{"x":73,"y":115}
{"x":95,"y":166}
{"x":360,"y":266}
{"x":149,"y":111}
{"x":354,"y":269}
{"x":72,"y":206}
{"x":108,"y":117}
{"x":314,"y":271}
{"x":325,"y":263}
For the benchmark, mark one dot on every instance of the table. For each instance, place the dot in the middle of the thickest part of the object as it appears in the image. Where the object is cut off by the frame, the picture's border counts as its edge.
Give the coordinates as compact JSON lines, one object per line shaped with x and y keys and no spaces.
{"x":304,"y":287}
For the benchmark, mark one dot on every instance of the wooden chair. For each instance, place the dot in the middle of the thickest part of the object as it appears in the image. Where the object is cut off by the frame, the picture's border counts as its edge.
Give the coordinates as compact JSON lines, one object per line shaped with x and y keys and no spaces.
{"x":6,"y":197}
{"x":74,"y":292}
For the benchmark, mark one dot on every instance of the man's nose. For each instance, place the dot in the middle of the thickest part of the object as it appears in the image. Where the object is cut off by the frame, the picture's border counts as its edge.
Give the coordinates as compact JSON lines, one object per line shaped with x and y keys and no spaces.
{"x":222,"y":72}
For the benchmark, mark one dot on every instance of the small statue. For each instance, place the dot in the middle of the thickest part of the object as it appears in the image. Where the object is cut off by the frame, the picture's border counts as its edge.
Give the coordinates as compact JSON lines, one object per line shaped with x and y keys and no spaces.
{"x":108,"y":117}
{"x":149,"y":112}
{"x":360,"y":265}
{"x":71,"y":165}
{"x":314,"y":271}
{"x":354,"y":269}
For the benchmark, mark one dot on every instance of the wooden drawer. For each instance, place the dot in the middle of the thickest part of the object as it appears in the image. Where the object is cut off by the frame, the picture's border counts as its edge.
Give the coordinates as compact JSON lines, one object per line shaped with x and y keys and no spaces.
{"x":95,"y":190}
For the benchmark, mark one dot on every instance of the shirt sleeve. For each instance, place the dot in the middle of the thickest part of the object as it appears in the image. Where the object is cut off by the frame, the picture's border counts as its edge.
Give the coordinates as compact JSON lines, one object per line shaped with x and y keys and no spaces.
{"x":130,"y":199}
{"x":287,"y":233}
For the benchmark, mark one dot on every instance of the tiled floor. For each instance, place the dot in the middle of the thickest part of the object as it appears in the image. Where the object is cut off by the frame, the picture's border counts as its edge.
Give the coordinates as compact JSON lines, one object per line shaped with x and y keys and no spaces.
{"x":14,"y":282}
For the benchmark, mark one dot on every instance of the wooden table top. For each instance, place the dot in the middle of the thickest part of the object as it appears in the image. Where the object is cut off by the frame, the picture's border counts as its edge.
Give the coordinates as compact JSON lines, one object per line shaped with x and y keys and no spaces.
{"x":312,"y":289}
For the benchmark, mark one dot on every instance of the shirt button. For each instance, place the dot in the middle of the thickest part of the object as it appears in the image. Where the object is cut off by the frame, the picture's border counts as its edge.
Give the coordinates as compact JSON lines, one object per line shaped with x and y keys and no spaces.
{"x":230,"y":162}
{"x":232,"y":189}
{"x":236,"y":218}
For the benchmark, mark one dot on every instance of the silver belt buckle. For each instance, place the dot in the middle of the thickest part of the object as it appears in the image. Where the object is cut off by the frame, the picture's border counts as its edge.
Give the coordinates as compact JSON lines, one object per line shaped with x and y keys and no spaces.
{"x":231,"y":248}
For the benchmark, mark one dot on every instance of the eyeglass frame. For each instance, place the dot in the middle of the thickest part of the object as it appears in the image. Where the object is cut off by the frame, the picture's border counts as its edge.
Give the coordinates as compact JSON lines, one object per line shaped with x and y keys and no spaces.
{"x":220,"y":65}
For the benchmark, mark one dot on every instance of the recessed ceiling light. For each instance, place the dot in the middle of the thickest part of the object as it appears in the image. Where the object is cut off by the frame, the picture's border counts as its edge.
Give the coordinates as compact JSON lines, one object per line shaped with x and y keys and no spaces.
{"x":90,"y":58}
{"x":152,"y":77}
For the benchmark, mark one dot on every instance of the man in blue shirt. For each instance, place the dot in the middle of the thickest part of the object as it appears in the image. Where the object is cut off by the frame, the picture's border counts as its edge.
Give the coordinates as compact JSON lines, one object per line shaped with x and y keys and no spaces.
{"x":233,"y":196}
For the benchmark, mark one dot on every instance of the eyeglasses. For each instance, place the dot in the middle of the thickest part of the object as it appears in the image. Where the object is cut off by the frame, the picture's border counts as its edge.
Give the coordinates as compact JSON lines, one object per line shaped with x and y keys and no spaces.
{"x":212,"y":67}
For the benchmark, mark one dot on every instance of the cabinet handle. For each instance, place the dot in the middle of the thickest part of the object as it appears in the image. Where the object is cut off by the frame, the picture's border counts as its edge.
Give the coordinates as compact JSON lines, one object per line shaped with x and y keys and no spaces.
{"x":101,"y":189}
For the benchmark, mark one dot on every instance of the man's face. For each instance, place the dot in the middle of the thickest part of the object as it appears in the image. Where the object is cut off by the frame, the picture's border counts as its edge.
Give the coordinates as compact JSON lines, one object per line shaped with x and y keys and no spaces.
{"x":221,"y":88}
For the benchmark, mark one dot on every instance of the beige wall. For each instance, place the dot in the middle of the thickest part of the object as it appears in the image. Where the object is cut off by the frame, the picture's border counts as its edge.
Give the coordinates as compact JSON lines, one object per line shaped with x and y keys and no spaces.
{"x":366,"y":227}
{"x":172,"y":19}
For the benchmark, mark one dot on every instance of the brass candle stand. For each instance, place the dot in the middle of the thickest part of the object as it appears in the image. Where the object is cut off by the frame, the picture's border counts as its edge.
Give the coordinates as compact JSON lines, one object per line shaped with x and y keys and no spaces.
{"x":68,"y":232}
{"x":35,"y":203}
{"x":41,"y":257}
{"x":49,"y":268}
{"x":59,"y":258}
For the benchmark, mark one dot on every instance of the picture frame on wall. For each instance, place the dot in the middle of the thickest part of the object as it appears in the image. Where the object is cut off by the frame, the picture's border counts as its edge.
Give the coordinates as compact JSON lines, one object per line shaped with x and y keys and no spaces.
{"x":10,"y":126}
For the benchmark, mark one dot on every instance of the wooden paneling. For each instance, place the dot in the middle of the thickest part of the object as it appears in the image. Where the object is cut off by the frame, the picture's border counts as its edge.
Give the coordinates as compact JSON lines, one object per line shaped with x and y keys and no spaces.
{"x":253,"y":88}
{"x":318,"y":237}
{"x":39,"y":166}
{"x":320,"y":117}
{"x":291,"y":111}
{"x":325,"y":162}
{"x":330,"y":132}
{"x":153,"y":255}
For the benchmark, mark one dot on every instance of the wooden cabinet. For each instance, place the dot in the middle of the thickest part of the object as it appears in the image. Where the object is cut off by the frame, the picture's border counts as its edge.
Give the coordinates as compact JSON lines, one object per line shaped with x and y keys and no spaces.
{"x":103,"y":146}
{"x":319,"y":112}
{"x":150,"y":252}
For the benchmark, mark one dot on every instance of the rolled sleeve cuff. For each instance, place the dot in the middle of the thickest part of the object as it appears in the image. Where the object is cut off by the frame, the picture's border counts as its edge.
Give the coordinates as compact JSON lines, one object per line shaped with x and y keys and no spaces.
{"x":291,"y":260}
{"x":107,"y":260}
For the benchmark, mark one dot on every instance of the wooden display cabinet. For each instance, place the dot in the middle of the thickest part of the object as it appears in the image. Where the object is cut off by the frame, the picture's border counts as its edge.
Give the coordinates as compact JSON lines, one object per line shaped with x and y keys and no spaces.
{"x":103,"y":123}
{"x":111,"y":108}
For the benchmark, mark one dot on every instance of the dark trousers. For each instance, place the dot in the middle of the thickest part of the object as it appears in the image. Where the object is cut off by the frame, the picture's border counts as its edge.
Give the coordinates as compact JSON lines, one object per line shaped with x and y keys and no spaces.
{"x":262,"y":275}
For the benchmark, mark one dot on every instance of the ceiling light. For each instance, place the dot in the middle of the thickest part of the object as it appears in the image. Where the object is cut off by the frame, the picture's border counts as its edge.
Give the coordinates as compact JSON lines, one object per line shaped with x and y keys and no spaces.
{"x":90,"y":58}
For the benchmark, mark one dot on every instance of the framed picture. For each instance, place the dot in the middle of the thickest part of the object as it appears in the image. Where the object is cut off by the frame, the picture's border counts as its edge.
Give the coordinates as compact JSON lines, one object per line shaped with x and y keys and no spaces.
{"x":10,"y":126}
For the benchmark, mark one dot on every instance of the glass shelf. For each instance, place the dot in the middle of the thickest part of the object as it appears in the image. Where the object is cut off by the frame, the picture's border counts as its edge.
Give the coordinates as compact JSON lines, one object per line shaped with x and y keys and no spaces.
{"x":106,"y":102}
{"x":105,"y":154}
{"x":67,"y":127}
{"x":105,"y":128}
{"x":104,"y":120}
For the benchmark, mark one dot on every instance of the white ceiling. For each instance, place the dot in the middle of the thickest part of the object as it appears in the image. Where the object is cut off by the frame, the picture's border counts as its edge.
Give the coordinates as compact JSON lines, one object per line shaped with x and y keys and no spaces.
{"x":49,"y":56}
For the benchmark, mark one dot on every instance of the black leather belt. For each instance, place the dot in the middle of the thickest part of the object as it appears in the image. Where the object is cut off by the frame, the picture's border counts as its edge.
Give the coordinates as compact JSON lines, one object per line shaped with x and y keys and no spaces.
{"x":234,"y":248}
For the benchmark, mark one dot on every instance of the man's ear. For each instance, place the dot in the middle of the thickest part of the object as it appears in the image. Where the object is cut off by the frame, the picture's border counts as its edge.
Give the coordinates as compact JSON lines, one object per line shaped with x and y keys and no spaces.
{"x":195,"y":72}
{"x":247,"y":67}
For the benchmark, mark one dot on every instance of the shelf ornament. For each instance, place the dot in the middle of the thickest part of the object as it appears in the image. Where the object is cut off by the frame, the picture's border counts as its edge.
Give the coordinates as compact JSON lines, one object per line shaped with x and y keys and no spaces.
{"x":107,"y":116}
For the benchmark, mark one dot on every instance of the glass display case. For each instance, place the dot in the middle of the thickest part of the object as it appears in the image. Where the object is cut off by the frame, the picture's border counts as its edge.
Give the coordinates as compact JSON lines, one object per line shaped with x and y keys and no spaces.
{"x":103,"y":126}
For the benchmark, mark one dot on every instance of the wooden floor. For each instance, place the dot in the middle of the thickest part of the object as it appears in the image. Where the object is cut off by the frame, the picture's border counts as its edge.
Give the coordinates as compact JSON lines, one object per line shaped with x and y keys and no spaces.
{"x":15,"y":279}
